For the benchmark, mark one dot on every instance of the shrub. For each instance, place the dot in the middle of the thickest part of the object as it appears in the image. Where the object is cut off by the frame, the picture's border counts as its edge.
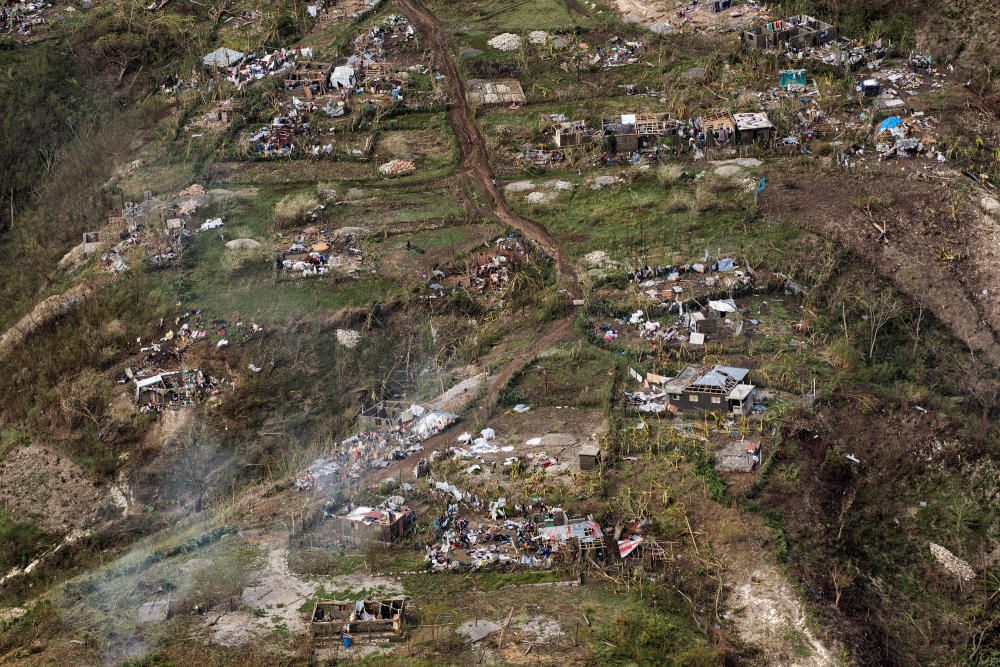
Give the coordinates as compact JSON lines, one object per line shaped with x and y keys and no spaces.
{"x":292,"y":209}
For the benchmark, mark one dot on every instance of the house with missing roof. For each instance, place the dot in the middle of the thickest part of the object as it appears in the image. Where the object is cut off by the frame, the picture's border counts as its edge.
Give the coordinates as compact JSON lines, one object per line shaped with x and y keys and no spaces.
{"x":711,"y":389}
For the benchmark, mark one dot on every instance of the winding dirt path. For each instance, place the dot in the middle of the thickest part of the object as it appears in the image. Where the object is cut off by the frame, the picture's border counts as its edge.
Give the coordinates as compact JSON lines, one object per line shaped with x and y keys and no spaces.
{"x":474,"y":162}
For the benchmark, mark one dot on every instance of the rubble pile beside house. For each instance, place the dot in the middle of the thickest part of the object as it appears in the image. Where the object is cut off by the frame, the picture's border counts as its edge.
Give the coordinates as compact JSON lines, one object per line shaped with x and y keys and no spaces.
{"x":169,"y":348}
{"x":841,"y":52}
{"x":387,"y":523}
{"x":718,"y":320}
{"x":483,"y":543}
{"x":278,"y":138}
{"x":492,"y":271}
{"x":511,"y":535}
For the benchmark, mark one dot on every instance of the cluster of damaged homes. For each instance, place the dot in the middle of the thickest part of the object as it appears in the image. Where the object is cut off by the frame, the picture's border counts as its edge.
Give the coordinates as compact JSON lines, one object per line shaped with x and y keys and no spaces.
{"x":319,"y":86}
{"x":633,"y":134}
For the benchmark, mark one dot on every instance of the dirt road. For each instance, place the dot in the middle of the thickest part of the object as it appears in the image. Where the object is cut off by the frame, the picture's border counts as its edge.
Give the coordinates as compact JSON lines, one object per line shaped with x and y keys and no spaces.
{"x":474,"y":163}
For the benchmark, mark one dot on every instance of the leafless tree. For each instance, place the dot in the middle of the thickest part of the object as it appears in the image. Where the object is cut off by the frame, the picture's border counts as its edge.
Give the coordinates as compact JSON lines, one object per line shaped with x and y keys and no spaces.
{"x":880,"y":307}
{"x":842,"y":575}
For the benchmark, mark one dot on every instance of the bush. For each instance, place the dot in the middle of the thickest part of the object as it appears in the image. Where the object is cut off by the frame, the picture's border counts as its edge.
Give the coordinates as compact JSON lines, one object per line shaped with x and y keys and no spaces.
{"x":292,"y":209}
{"x":652,"y":637}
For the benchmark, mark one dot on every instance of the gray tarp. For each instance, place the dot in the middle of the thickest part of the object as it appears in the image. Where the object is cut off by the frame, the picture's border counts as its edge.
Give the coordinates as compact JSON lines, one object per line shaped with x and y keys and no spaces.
{"x":222,"y":57}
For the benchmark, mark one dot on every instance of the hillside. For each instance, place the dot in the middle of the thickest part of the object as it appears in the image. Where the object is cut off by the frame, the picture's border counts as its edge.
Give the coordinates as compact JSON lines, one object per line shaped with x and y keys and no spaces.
{"x":451,"y":332}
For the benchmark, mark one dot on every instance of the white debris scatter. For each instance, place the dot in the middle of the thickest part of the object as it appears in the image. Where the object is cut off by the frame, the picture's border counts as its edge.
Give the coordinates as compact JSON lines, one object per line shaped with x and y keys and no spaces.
{"x":348,"y":337}
{"x":506,"y":41}
{"x":538,"y":37}
{"x":952,"y":563}
{"x":603,"y":182}
{"x":520,"y":186}
{"x":564,"y":186}
{"x":242,"y":244}
{"x":397,"y":168}
{"x":599,"y":259}
{"x":544,"y":628}
{"x":540,"y":197}
{"x":662,"y":28}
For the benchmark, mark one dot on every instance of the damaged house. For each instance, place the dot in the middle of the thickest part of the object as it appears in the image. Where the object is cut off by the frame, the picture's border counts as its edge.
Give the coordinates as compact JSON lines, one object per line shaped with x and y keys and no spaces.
{"x":366,"y":619}
{"x":752,"y":126}
{"x":172,"y":389}
{"x":711,"y":389}
{"x":381,"y":416}
{"x":386,"y":524}
{"x":560,"y":527}
{"x":797,"y":32}
{"x":572,"y":133}
{"x":638,"y":132}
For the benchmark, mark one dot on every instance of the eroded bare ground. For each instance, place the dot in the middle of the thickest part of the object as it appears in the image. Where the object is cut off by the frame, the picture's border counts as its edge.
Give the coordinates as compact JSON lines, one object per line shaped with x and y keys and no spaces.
{"x":940,"y":243}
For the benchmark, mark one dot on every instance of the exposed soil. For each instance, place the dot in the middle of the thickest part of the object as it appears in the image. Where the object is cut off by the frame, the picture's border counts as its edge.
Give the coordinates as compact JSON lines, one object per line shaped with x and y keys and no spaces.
{"x":276,"y":595}
{"x":47,"y":488}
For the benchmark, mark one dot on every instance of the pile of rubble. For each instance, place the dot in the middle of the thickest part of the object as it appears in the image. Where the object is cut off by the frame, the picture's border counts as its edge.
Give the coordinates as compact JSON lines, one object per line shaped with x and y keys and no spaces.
{"x":395,"y":168}
{"x":506,"y":41}
{"x":21,"y":17}
{"x":669,"y":284}
{"x":909,"y":137}
{"x":497,"y":541}
{"x":393,"y":30}
{"x":494,"y":272}
{"x":173,"y":389}
{"x":315,"y":251}
{"x":952,"y":563}
{"x":250,"y":68}
{"x":278,"y":138}
{"x":616,"y":52}
{"x":841,"y":53}
{"x":375,"y":449}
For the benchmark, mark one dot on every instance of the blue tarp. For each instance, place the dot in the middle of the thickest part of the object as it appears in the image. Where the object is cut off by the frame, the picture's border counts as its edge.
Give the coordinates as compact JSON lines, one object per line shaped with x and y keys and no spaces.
{"x":890,"y":123}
